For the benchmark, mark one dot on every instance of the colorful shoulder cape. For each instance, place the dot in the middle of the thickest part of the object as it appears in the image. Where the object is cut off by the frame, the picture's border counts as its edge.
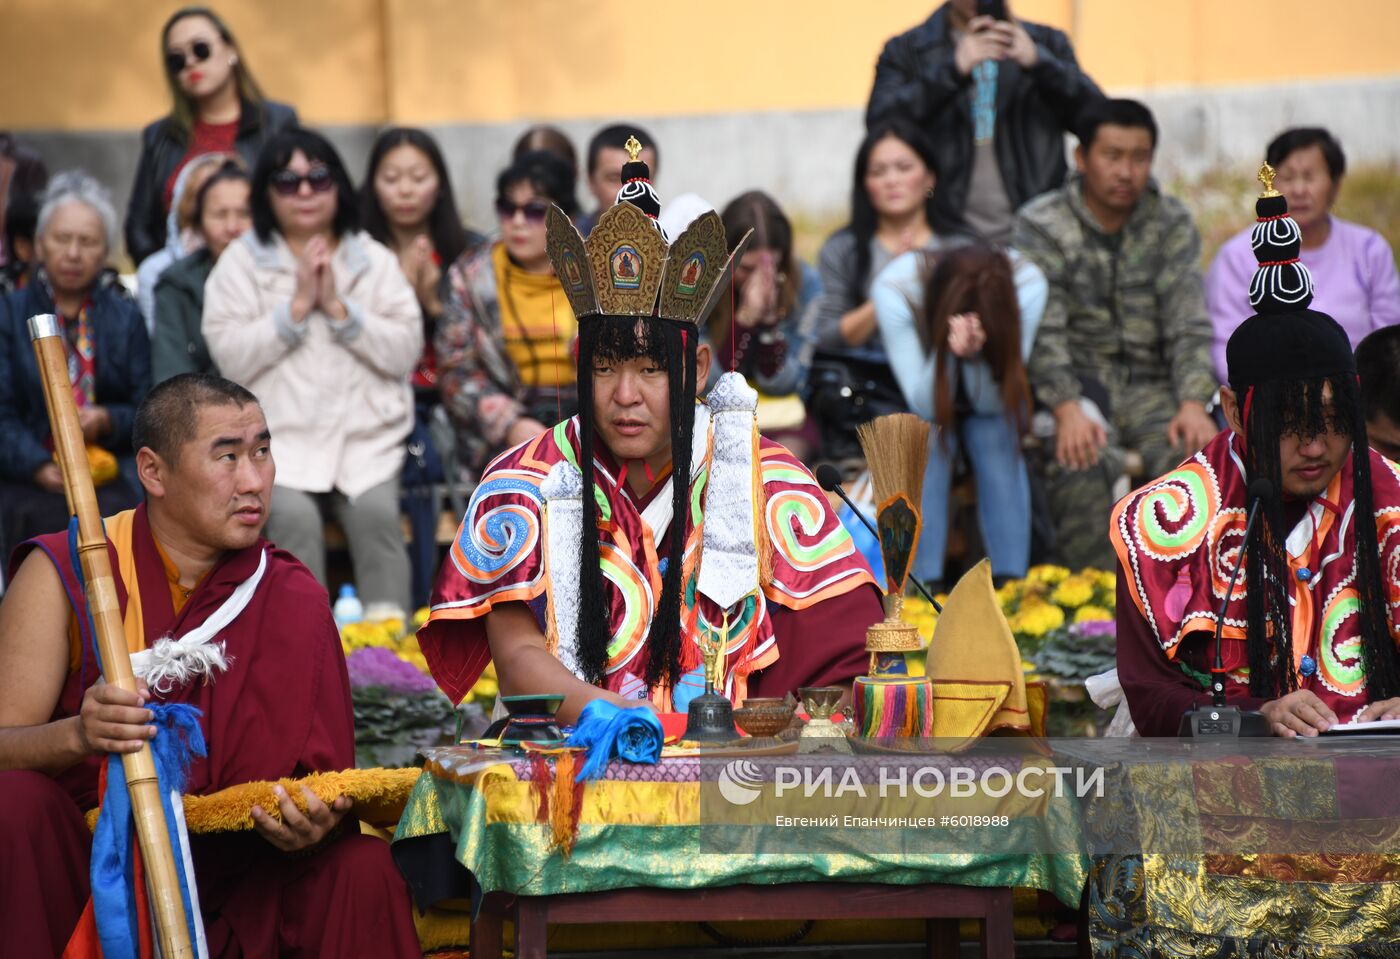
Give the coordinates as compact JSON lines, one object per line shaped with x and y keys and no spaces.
{"x":1178,"y":538}
{"x":518,"y":518}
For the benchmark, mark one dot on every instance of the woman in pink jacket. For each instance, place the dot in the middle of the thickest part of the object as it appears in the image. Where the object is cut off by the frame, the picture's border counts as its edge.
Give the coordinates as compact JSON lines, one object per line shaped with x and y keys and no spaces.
{"x":317,"y":320}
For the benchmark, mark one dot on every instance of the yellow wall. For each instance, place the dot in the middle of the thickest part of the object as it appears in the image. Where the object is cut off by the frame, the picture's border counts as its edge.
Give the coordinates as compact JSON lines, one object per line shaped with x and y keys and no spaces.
{"x":94,"y":64}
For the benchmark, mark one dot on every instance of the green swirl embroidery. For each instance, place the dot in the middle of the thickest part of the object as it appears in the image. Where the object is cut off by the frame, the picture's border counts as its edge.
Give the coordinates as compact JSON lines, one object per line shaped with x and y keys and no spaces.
{"x":1196,"y":498}
{"x":1349,"y":648}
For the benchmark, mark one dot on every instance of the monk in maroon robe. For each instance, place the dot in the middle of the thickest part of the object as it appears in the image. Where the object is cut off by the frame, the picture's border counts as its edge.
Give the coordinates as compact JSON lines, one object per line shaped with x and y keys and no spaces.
{"x":309,"y":885}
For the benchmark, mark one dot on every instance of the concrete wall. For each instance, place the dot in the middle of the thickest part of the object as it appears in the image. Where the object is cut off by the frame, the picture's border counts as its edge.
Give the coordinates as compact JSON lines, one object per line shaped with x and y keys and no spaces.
{"x":737,"y":94}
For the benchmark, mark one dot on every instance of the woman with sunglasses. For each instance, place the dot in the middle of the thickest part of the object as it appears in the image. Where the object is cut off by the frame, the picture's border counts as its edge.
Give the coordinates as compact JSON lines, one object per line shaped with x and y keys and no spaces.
{"x":316,"y":319}
{"x":505,"y":342}
{"x":217,"y":107}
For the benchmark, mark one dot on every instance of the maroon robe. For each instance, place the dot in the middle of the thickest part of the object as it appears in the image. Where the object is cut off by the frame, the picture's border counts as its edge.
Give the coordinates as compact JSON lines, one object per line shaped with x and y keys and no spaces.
{"x":281,"y":709}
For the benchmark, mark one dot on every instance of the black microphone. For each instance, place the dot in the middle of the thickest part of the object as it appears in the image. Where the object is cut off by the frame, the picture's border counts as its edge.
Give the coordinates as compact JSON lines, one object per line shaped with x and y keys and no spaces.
{"x":1219,"y":720}
{"x":829,"y":478}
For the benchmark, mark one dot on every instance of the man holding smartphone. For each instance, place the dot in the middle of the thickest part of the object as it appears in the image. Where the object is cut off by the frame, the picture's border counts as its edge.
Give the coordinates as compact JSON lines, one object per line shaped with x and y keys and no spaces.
{"x":996,"y":96}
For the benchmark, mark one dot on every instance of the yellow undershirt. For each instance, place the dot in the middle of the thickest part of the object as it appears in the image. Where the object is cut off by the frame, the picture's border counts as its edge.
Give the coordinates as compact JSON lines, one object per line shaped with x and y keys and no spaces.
{"x":119,"y":531}
{"x":179,"y":596}
{"x":537,"y":323}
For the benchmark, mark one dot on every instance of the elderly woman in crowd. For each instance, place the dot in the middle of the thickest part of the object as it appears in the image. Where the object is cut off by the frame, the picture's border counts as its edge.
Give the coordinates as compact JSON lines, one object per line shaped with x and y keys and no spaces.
{"x":505,"y":341}
{"x":316,"y":318}
{"x":109,"y":360}
{"x":216,"y":107}
{"x":220,"y":214}
{"x":1352,"y":266}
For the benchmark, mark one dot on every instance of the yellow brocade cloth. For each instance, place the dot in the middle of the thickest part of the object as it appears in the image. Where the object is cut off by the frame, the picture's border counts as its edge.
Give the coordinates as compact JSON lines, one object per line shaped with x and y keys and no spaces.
{"x":537,"y":323}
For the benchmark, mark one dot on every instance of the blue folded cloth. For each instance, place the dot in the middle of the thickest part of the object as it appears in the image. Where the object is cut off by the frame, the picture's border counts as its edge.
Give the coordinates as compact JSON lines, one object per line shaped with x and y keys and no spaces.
{"x":607,"y":731}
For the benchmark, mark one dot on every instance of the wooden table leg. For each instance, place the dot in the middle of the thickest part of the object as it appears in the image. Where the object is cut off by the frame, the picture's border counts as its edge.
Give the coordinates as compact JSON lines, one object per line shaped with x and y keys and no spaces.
{"x":486,"y":933}
{"x":531,"y":927}
{"x":998,"y":937}
{"x":941,"y":938}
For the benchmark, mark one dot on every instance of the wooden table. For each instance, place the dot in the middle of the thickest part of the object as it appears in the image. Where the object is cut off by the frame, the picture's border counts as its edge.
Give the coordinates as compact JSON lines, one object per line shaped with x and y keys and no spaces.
{"x":941,"y":906}
{"x":639,"y":852}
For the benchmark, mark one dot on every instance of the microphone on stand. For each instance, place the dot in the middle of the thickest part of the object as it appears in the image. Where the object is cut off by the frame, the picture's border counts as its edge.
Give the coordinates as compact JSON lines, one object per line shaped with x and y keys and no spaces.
{"x":1219,"y":721}
{"x":829,"y":478}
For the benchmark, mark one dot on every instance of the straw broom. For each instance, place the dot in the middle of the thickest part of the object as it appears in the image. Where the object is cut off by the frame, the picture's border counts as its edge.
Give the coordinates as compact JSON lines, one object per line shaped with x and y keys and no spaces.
{"x":896,"y":450}
{"x":140,"y":768}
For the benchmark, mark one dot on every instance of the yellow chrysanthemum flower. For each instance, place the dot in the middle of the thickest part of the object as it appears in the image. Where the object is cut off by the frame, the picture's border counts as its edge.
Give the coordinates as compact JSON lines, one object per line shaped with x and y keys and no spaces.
{"x":1039,"y":619}
{"x":1048,"y":574}
{"x":1093,"y":614}
{"x":1073,"y":592}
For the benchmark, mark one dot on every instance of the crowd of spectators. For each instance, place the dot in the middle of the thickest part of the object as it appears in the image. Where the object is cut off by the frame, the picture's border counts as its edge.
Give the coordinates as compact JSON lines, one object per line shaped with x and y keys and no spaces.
{"x":1052,"y":323}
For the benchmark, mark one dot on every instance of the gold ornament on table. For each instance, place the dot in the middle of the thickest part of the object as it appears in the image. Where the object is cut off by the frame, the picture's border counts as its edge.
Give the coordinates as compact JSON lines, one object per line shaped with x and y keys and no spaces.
{"x":891,"y":702}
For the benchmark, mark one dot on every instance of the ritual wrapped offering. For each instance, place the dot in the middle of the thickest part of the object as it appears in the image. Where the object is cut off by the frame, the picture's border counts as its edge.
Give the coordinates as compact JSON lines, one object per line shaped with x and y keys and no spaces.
{"x":608,"y":731}
{"x":889,"y":701}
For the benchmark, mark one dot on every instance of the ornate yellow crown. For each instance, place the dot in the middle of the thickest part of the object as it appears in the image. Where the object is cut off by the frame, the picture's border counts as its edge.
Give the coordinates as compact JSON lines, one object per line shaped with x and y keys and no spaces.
{"x":626,"y":267}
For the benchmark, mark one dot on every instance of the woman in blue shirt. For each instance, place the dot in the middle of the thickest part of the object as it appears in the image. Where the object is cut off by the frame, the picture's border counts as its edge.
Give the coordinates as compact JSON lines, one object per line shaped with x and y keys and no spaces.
{"x":958,"y":328}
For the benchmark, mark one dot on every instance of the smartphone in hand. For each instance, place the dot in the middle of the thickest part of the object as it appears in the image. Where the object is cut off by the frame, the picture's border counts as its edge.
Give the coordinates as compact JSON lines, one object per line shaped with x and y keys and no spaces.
{"x":996,"y":9}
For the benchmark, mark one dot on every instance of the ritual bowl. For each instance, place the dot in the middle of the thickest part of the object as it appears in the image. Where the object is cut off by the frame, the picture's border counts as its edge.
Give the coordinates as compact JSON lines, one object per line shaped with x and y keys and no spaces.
{"x":762,"y":717}
{"x":821,"y":701}
{"x":531,"y":720}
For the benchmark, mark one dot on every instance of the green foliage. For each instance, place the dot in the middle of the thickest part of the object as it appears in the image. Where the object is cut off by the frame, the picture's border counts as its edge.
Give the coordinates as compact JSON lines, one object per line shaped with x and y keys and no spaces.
{"x":1072,"y":654}
{"x":391,"y":728}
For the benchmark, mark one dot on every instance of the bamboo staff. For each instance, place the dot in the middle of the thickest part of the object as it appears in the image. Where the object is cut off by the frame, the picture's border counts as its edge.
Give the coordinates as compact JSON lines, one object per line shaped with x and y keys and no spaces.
{"x":140,"y":768}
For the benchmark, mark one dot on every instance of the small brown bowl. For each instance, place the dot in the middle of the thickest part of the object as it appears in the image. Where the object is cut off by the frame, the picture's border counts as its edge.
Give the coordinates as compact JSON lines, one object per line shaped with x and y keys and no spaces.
{"x":763,"y":717}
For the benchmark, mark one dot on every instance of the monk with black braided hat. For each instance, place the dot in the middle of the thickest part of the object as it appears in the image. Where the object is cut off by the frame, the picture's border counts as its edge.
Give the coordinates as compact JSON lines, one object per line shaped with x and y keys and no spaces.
{"x":1311,"y":626}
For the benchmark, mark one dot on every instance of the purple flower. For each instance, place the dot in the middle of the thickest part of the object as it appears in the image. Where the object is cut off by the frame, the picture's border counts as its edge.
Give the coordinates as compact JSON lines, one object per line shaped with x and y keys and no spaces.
{"x":377,"y":666}
{"x":1096,"y":628}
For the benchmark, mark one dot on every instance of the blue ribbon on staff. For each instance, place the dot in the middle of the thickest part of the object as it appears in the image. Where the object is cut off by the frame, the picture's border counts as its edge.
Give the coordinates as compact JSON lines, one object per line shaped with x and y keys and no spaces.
{"x":178,"y":741}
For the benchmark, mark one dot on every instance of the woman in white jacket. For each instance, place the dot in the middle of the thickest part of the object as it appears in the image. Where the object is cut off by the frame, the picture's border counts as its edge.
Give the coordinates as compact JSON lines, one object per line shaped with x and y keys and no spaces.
{"x":317,"y":320}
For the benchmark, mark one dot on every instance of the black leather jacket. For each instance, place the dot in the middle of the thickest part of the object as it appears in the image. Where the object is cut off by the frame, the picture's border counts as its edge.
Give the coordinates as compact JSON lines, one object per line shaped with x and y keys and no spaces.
{"x":917,"y":79}
{"x":162,"y":148}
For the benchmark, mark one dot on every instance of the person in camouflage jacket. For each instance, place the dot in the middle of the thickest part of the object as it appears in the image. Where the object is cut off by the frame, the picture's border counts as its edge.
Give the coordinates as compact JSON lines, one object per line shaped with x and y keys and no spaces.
{"x":1122,"y":356}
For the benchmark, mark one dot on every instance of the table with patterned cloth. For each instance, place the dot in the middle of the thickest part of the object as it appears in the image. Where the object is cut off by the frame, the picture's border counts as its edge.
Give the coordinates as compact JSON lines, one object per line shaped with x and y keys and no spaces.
{"x":1253,"y":850}
{"x":518,"y":827}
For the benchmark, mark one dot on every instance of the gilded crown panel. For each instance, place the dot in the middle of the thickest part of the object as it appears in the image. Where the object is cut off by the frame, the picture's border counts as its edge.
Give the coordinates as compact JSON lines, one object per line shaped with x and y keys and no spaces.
{"x":698,"y":259}
{"x":627,"y":256}
{"x":570,"y":258}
